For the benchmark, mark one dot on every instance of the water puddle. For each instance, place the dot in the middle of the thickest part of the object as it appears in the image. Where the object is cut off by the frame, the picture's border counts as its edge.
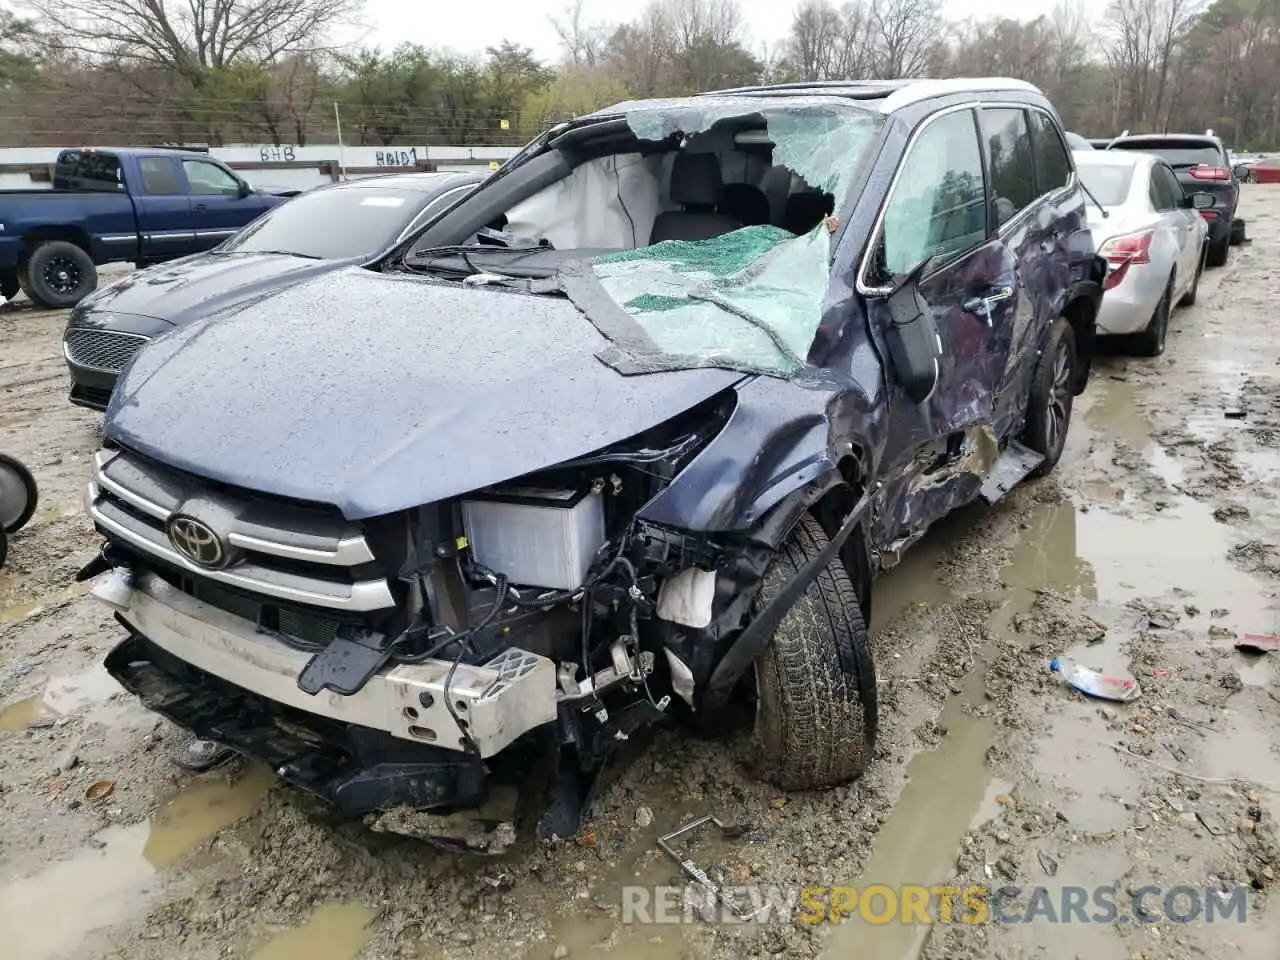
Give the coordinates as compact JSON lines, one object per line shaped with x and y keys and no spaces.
{"x":91,"y":695}
{"x":1088,"y":869}
{"x":589,"y":928}
{"x":114,"y":879}
{"x":915,"y":580}
{"x":991,"y":804}
{"x":336,"y":931}
{"x":1113,"y":410}
{"x":21,"y":611}
{"x":949,"y":788}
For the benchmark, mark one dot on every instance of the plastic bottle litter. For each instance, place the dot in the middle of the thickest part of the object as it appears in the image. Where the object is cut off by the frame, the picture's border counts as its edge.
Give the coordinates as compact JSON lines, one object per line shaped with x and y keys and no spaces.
{"x":1094,"y":683}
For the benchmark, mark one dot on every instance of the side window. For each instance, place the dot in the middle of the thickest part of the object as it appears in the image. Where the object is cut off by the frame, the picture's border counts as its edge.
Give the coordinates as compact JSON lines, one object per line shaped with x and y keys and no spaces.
{"x":209,"y":179}
{"x":1013,"y":178}
{"x":88,"y":170}
{"x":1171,"y":189}
{"x":1052,"y":162}
{"x":938,"y":207}
{"x":160,"y":176}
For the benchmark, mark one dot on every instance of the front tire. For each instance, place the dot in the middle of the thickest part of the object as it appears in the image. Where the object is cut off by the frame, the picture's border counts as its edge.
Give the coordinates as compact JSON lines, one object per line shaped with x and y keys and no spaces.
{"x":1151,"y":341}
{"x":816,"y":712}
{"x":60,"y":274}
{"x":1052,"y":397}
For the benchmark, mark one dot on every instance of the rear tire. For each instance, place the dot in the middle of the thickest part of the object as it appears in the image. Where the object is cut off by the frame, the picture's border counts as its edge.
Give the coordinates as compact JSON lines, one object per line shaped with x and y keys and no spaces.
{"x":4,"y":547}
{"x":1189,"y":298}
{"x":1219,"y":251}
{"x":60,"y":275}
{"x":1052,"y":398}
{"x":1151,"y":341}
{"x":816,"y":712}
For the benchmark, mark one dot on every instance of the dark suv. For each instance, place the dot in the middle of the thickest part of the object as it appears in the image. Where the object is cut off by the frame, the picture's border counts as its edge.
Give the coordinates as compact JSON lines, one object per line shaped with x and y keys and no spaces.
{"x":624,"y":435}
{"x":1201,"y":165}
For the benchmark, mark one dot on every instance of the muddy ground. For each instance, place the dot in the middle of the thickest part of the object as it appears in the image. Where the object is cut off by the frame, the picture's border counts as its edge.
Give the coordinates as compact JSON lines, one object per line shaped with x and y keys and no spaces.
{"x":1152,"y":547}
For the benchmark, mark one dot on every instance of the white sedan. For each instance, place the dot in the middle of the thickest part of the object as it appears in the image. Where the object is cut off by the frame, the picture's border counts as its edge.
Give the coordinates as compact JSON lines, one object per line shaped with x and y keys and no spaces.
{"x":1152,"y":235}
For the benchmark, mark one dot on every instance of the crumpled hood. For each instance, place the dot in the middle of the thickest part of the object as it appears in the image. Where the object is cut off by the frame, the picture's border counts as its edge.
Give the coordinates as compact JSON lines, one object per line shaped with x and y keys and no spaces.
{"x":376,"y":392}
{"x":184,"y":290}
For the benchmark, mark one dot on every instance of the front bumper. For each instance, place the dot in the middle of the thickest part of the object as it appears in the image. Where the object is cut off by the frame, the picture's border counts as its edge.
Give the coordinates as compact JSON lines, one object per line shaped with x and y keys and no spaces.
{"x":217,"y":675}
{"x":355,"y":769}
{"x":1128,"y":307}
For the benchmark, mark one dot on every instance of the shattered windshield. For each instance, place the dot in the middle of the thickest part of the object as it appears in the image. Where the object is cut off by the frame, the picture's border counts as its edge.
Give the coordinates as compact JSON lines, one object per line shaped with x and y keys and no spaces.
{"x":719,"y":284}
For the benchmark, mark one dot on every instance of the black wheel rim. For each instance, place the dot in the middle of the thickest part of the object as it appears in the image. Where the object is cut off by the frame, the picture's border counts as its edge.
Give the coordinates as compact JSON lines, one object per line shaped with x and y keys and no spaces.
{"x":1058,"y":412}
{"x":62,"y":275}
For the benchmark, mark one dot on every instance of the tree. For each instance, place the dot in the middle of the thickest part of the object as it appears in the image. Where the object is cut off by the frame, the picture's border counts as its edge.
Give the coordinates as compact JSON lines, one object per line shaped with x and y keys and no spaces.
{"x":190,"y":38}
{"x":583,"y":43}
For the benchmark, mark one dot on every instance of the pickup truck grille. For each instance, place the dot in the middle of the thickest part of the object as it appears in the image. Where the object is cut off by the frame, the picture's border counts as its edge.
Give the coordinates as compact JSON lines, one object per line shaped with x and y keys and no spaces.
{"x":276,"y":550}
{"x":104,"y":350}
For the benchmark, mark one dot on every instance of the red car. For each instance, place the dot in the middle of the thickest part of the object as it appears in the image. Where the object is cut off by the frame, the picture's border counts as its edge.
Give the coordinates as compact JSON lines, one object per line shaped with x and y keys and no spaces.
{"x":1263,"y":171}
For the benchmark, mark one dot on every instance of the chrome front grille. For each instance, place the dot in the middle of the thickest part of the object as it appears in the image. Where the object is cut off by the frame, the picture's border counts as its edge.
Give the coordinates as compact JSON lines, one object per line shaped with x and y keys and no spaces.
{"x":105,"y":350}
{"x":293,"y":554}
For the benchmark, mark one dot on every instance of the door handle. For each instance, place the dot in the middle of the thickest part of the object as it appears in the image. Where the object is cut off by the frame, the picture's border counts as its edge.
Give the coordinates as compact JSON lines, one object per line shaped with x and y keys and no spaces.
{"x":983,"y":305}
{"x":201,"y":206}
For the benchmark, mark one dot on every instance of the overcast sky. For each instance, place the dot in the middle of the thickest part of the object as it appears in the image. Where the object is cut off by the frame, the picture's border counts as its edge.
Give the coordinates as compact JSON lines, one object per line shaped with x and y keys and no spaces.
{"x":470,"y":27}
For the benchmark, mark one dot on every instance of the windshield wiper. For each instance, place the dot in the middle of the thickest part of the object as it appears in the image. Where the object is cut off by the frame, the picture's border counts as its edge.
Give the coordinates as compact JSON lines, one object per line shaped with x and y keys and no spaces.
{"x":282,"y":253}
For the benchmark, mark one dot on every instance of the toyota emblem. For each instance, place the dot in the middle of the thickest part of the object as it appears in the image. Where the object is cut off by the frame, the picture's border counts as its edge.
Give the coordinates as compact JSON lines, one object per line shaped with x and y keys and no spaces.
{"x":197,"y":542}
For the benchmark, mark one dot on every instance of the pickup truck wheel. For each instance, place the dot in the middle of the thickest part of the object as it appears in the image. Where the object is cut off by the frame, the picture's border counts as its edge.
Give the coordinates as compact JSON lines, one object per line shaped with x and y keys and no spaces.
{"x":816,"y":711}
{"x":1052,"y":395}
{"x":60,"y":274}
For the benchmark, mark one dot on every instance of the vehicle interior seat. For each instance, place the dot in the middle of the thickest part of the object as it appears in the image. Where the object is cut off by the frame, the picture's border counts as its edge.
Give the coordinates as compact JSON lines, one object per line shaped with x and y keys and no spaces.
{"x":697,"y":185}
{"x":746,"y":203}
{"x":776,"y":186}
{"x":806,"y":209}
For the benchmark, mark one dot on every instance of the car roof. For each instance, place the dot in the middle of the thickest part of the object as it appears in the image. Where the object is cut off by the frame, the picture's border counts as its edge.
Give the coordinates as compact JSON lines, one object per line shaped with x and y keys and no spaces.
{"x":885,"y":96}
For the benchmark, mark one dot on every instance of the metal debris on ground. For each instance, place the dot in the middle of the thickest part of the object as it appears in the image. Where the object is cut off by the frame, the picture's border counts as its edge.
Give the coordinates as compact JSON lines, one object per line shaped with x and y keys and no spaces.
{"x":697,"y":873}
{"x":1258,"y":642}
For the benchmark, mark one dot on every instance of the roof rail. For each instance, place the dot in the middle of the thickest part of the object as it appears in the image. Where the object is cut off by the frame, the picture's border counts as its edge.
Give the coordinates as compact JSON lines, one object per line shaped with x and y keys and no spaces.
{"x":917,"y":90}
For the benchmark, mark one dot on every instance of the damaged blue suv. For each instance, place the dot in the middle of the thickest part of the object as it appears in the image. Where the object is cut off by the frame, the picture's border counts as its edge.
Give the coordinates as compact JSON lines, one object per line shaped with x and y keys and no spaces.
{"x":624,"y":435}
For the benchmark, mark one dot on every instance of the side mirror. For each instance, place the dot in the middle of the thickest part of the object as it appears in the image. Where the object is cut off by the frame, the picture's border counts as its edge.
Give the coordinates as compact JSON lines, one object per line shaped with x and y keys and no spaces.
{"x":1240,"y":171}
{"x":912,"y":336}
{"x":245,"y":190}
{"x":1200,"y":201}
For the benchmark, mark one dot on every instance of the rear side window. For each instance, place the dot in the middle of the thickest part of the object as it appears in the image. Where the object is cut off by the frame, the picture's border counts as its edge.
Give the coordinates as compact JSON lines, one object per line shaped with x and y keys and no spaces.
{"x":160,"y":176}
{"x":88,"y":170}
{"x":1052,"y":162}
{"x":1013,"y":176}
{"x":938,"y":207}
{"x":1168,"y":190}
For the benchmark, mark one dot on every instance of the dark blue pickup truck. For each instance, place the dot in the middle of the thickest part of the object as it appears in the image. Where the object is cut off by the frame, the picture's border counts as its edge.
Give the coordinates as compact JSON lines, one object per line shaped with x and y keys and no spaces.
{"x":108,"y":205}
